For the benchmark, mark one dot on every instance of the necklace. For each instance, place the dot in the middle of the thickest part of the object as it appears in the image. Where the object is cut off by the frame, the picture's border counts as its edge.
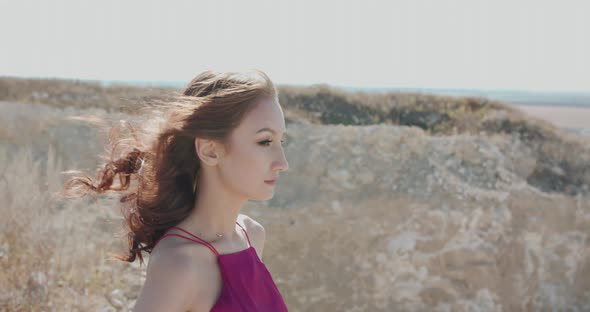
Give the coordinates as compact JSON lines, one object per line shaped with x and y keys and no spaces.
{"x":202,"y":235}
{"x":219,"y":235}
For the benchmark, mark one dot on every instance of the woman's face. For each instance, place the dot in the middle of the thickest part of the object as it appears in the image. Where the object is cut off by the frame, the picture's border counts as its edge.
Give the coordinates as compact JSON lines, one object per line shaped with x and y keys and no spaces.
{"x":255,"y":153}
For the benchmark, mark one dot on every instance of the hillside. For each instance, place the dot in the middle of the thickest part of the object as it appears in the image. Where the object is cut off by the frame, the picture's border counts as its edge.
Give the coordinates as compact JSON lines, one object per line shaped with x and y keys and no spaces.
{"x":397,"y":201}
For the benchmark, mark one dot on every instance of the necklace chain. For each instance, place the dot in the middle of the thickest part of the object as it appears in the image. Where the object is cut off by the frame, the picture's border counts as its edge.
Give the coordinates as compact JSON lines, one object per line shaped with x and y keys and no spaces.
{"x":219,"y":235}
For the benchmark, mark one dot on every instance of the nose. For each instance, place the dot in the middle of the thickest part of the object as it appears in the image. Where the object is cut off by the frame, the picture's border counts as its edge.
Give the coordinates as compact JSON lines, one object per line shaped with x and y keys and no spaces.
{"x":282,"y":164}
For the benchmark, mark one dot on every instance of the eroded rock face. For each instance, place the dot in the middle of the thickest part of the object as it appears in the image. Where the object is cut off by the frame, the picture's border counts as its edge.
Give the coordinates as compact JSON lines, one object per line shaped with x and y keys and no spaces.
{"x":384,"y":218}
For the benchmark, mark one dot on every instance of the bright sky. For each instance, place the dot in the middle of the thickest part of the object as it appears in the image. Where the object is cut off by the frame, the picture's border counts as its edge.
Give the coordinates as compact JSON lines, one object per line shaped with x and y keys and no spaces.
{"x":507,"y":44}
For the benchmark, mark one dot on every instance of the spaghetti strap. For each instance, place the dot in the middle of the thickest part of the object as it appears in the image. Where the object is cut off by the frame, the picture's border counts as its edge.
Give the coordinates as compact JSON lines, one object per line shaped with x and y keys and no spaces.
{"x":199,"y":240}
{"x":191,"y":239}
{"x":247,"y":237}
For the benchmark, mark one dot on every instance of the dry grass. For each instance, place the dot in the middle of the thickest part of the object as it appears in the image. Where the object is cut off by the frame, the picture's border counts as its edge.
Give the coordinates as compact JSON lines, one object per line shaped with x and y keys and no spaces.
{"x":53,"y":253}
{"x":435,"y":114}
{"x":73,"y":93}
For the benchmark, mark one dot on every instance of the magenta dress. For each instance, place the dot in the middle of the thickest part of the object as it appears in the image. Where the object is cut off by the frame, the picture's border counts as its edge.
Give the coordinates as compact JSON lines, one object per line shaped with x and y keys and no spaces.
{"x":247,"y":283}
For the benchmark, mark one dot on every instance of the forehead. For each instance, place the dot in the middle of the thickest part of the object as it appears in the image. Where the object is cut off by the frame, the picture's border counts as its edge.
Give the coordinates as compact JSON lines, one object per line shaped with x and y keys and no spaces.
{"x":267,"y":113}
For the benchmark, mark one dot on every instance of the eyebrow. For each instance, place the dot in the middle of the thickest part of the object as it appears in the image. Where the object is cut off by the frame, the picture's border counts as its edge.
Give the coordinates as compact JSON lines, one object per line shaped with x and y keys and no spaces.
{"x":269,"y":130}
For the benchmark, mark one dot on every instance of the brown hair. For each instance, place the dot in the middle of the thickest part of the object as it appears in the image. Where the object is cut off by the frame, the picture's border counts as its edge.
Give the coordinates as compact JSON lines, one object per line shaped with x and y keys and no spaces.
{"x":210,"y":107}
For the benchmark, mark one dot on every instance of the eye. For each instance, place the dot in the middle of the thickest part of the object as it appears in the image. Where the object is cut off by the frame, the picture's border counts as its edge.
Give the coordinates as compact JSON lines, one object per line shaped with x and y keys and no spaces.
{"x":267,"y":142}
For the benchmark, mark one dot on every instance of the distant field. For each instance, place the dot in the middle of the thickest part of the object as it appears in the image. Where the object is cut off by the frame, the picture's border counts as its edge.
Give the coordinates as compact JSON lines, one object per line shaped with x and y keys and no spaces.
{"x":566,"y":117}
{"x":513,"y":97}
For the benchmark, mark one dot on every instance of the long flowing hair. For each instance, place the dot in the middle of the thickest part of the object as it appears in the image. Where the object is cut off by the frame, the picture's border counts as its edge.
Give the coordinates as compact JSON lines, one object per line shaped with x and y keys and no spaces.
{"x":165,"y":164}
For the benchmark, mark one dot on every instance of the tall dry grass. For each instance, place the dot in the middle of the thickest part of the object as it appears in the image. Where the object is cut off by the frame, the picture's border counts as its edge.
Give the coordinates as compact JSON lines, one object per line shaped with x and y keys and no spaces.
{"x":80,"y":94}
{"x":53,"y":253}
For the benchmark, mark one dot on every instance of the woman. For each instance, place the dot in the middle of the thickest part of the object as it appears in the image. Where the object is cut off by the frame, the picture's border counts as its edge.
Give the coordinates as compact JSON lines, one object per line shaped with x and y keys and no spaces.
{"x":220,"y":147}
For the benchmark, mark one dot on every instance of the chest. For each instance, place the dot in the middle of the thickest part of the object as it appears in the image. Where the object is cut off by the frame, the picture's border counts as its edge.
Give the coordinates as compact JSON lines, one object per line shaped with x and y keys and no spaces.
{"x":213,"y":276}
{"x":240,"y":283}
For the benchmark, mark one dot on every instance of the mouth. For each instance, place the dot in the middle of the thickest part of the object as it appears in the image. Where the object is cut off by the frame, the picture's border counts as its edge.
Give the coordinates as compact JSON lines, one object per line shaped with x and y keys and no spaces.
{"x":270,"y":182}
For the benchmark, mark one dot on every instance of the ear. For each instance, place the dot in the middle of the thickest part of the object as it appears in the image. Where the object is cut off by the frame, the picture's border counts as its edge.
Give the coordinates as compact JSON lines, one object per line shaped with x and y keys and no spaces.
{"x":207,"y":151}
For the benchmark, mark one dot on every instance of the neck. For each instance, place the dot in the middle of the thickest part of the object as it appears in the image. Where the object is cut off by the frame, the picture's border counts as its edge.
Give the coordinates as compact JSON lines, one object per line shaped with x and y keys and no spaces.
{"x":215,"y":210}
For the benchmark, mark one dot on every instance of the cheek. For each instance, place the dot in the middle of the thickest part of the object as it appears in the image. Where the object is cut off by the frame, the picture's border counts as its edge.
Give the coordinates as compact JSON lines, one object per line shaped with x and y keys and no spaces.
{"x":245,"y":168}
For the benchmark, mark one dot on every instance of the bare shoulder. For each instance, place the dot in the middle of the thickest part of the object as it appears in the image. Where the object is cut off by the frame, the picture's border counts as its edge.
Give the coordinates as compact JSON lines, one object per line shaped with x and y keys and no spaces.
{"x":253,"y":227}
{"x":176,"y":274}
{"x":185,"y":254}
{"x":256,"y":232}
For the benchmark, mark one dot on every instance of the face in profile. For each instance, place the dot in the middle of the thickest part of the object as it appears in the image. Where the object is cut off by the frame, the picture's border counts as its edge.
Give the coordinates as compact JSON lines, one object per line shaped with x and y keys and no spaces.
{"x":255,"y":152}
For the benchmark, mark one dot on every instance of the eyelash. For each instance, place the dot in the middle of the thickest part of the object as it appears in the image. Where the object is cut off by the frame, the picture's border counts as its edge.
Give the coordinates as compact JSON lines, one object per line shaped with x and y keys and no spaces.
{"x":263,"y":143}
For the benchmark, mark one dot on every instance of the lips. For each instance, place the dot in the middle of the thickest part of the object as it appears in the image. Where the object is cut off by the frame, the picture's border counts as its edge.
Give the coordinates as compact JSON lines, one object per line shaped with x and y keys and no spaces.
{"x":270,"y":181}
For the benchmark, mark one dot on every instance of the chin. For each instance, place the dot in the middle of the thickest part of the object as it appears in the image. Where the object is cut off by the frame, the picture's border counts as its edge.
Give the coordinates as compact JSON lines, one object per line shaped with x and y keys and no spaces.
{"x":266,"y":197}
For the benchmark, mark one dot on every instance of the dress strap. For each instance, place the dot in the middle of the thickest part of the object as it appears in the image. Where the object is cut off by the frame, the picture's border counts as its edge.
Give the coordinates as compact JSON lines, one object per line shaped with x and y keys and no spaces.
{"x":249,"y":244}
{"x":195,"y":238}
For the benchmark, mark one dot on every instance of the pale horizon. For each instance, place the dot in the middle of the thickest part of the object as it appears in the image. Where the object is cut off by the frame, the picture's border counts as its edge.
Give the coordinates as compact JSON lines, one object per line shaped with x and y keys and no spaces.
{"x":500,"y":45}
